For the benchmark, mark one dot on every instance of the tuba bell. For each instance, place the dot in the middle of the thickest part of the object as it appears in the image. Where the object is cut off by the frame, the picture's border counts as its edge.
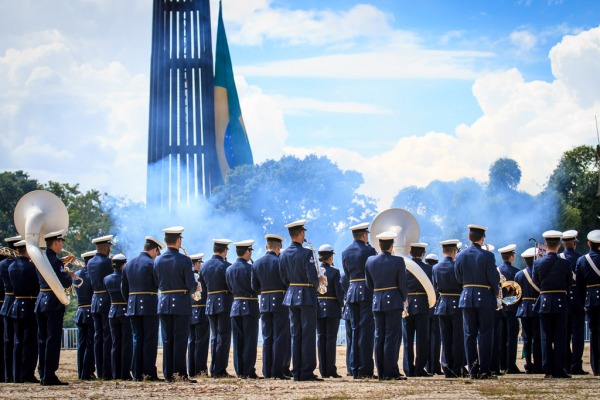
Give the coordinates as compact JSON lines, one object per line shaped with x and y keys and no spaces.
{"x":36,"y":214}
{"x":405,"y":225}
{"x":511,"y":291}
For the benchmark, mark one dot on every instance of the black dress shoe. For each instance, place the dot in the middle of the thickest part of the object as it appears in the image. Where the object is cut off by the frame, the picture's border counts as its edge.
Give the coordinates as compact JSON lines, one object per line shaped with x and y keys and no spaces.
{"x":485,"y":375}
{"x":154,"y":379}
{"x":309,"y":378}
{"x":31,"y":380}
{"x":336,"y":375}
{"x":423,"y":374}
{"x":225,"y":375}
{"x":254,"y":376}
{"x":514,"y":371}
{"x":579,"y":372}
{"x":55,"y":383}
{"x":562,"y":375}
{"x":186,"y":379}
{"x":283,"y":377}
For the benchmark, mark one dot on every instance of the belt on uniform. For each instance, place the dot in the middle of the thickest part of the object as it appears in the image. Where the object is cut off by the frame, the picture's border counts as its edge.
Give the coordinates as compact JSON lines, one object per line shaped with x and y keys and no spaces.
{"x":479,"y":286}
{"x":591,"y":286}
{"x":173,"y":291}
{"x":327,"y":298}
{"x":450,"y":294}
{"x":9,"y":294}
{"x":85,"y":306}
{"x":45,"y":290}
{"x":99,"y":291}
{"x":301,"y":284}
{"x":218,"y":291}
{"x":1,"y":301}
{"x":154,"y":293}
{"x":529,"y":298}
{"x":198,"y":305}
{"x":384,"y":288}
{"x":357,"y":280}
{"x":553,"y":291}
{"x":119,"y":304}
{"x":245,"y":298}
{"x":26,"y":297}
{"x":417,"y":293}
{"x":272,"y":291}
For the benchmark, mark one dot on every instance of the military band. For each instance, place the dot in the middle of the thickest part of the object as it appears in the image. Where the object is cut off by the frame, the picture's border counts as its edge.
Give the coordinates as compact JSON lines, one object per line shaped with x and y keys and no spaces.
{"x":193,"y":300}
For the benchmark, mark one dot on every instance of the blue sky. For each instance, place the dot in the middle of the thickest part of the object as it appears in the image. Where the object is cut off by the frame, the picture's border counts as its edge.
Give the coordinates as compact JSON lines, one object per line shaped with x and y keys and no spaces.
{"x":405,"y":92}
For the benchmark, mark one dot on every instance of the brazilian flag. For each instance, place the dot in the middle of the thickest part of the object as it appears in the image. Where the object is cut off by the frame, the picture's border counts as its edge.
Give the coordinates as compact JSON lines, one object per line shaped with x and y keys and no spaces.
{"x":233,"y":147}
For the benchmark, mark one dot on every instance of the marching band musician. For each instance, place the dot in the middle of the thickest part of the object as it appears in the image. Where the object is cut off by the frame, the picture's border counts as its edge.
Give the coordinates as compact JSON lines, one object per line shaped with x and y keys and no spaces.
{"x":176,"y":284}
{"x":274,"y":315}
{"x":434,"y":366}
{"x":386,"y":276}
{"x":476,"y":271}
{"x":139,"y":286}
{"x":329,"y":313}
{"x":50,"y":312}
{"x":576,"y":315}
{"x":554,"y":277}
{"x":450,"y":317}
{"x":417,"y":320}
{"x":8,"y":333}
{"x":26,"y":287}
{"x":199,"y":338}
{"x":530,"y":320}
{"x":359,"y":301}
{"x":85,"y":323}
{"x":298,"y":271}
{"x":120,"y":328}
{"x":99,"y":267}
{"x":510,"y":324}
{"x":2,"y":374}
{"x":588,"y":282}
{"x":218,"y":307}
{"x":244,"y":311}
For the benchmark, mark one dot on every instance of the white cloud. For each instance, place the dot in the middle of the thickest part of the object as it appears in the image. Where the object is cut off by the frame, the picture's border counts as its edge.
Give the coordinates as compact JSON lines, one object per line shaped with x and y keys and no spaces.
{"x":523,"y":40}
{"x":305,"y":105}
{"x":532,"y":122}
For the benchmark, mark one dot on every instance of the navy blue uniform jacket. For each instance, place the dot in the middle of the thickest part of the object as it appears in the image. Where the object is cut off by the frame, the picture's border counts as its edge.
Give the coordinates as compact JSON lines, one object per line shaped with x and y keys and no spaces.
{"x":47,"y":300}
{"x":386,"y":277}
{"x":219,"y":297}
{"x":175,"y":282}
{"x":354,"y":259}
{"x":239,"y":282}
{"x":267,"y":282}
{"x":554,"y":277}
{"x":99,"y":267}
{"x":140,"y":286}
{"x":476,"y":266}
{"x":331,"y":303}
{"x":445,"y":283}
{"x":297,"y":266}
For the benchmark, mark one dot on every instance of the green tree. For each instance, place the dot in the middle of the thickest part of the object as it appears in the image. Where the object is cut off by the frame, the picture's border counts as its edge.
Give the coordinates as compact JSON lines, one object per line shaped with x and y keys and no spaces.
{"x":575,"y":182}
{"x":274,"y":193}
{"x":504,"y":173}
{"x":13,"y":185}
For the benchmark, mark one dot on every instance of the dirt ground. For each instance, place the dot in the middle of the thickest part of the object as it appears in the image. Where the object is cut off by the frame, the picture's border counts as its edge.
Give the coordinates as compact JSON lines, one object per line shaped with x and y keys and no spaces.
{"x":513,"y":387}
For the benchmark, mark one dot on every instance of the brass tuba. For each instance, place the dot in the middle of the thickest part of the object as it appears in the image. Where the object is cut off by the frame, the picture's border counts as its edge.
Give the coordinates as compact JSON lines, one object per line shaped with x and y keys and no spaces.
{"x":405,"y":225}
{"x":36,"y":214}
{"x":510,"y":291}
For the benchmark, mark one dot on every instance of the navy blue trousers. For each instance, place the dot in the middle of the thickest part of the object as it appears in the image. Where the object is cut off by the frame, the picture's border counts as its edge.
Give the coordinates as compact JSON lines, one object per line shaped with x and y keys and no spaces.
{"x":220,"y":341}
{"x":435,"y":346}
{"x":49,"y":340}
{"x":244,"y":334}
{"x":276,"y":343}
{"x":349,"y":354}
{"x":363,"y":328}
{"x":478,"y":325}
{"x":2,"y":370}
{"x":532,"y":345}
{"x":85,"y":351}
{"x":175,"y":330}
{"x":575,"y":340}
{"x":554,"y":342}
{"x":415,"y":325}
{"x":121,"y":353}
{"x":508,"y":347}
{"x":9,"y":348}
{"x":198,"y":343}
{"x":594,"y":324}
{"x":496,"y":343}
{"x":453,"y":346}
{"x":144,"y":329}
{"x":102,"y":345}
{"x":327,"y":331}
{"x":388,"y":334}
{"x":303,"y":327}
{"x":25,"y":353}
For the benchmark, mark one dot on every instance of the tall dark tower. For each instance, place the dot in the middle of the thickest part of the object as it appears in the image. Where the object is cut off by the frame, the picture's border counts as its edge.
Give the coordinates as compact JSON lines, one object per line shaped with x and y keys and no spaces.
{"x":182,"y":159}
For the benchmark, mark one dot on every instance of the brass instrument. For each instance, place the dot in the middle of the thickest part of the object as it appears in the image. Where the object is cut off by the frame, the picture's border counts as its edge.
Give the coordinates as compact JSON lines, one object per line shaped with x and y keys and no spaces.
{"x":510,"y":292}
{"x":406,"y":226}
{"x":8,"y":252}
{"x":540,"y":249}
{"x":70,"y":259}
{"x":197,"y":294}
{"x":322,"y":289}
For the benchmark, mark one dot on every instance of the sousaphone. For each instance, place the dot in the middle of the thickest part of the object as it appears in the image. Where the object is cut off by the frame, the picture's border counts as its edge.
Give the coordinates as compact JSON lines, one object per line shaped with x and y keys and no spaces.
{"x":36,"y":214}
{"x":405,"y":225}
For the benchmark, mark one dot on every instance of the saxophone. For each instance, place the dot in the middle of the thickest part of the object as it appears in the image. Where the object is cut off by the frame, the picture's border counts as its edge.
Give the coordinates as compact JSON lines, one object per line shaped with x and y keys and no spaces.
{"x":320,"y":271}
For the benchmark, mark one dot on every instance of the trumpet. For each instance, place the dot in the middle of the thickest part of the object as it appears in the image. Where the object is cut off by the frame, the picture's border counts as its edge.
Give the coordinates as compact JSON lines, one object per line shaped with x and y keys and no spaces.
{"x":320,"y":271}
{"x":67,"y":260}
